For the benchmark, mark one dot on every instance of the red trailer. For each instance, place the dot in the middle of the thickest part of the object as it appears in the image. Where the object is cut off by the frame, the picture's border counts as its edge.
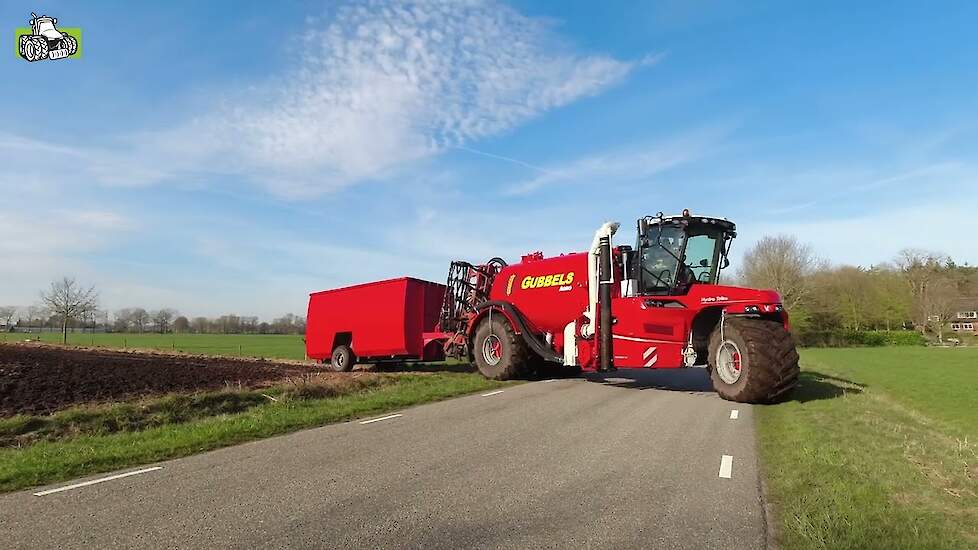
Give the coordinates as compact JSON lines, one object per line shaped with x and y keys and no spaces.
{"x":380,"y":321}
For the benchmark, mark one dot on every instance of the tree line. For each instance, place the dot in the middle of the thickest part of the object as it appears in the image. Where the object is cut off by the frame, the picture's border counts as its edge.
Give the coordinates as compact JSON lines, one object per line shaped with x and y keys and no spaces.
{"x":917,"y":290}
{"x":68,"y":306}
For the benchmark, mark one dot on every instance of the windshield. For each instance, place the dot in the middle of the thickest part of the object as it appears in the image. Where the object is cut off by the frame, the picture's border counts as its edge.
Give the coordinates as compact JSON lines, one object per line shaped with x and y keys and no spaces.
{"x":698,"y":248}
{"x":660,"y":258}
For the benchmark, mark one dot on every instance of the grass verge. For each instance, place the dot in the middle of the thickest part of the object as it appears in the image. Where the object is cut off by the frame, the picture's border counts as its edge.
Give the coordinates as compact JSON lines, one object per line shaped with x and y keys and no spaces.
{"x":85,"y":441}
{"x":878,"y":449}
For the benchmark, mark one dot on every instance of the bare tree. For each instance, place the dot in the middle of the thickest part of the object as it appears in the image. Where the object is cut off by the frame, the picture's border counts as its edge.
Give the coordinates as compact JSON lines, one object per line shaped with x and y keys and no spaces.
{"x":181,"y":324}
{"x":33,"y":312}
{"x":162,"y":318}
{"x":920,"y":269}
{"x":123,"y":319}
{"x":6,"y":315}
{"x":199,"y":325}
{"x":781,"y":263}
{"x":139,"y":317}
{"x":938,"y":304}
{"x":67,"y":300}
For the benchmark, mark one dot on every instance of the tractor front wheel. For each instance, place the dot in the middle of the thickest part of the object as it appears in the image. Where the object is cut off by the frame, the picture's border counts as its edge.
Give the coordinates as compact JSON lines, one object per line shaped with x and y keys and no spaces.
{"x":752,"y":360}
{"x":69,"y":43}
{"x":500,"y":353}
{"x":343,"y":359}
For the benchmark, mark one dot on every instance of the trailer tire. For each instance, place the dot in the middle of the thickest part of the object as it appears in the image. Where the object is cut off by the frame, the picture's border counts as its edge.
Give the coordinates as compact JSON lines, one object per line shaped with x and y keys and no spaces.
{"x":499,"y":353}
{"x":343,"y":359}
{"x":755,"y":361}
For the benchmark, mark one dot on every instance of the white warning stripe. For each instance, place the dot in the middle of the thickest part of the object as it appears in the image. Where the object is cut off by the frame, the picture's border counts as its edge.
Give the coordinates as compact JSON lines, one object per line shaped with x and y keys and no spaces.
{"x":648,"y":352}
{"x":94,"y":481}
{"x":726,"y":466}
{"x":652,"y":361}
{"x":388,"y":417}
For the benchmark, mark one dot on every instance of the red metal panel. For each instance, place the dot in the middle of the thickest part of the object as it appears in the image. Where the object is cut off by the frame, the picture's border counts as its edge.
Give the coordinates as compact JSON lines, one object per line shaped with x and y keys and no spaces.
{"x":385,"y":318}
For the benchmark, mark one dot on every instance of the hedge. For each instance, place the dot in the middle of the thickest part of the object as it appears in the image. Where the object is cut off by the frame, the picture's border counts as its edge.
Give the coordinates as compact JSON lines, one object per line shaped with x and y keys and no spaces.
{"x":854,"y":338}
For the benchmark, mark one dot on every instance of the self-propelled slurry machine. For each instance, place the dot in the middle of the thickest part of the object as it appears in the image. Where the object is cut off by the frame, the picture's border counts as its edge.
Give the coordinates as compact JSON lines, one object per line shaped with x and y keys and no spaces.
{"x":655,"y":305}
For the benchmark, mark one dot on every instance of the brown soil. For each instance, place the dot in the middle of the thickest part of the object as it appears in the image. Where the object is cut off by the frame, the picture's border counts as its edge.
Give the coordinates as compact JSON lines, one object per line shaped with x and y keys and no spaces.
{"x":36,"y":379}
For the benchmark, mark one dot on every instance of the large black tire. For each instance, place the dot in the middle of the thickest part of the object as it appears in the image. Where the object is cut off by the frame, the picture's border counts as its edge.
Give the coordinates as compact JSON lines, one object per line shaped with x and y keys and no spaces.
{"x":69,"y":43}
{"x":34,"y":49}
{"x":755,"y":362}
{"x":343,"y":359}
{"x":500,"y":354}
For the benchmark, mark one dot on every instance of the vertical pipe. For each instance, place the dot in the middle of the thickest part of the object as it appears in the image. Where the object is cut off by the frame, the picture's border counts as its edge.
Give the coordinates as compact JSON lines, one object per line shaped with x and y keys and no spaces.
{"x":605,"y":280}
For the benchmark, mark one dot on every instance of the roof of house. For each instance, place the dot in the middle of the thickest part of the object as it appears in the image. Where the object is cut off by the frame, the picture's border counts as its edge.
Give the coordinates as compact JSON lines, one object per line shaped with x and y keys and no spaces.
{"x":966,"y":304}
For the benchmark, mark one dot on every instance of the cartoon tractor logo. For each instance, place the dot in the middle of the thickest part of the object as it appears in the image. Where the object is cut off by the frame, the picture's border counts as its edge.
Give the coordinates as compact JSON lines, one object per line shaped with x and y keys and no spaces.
{"x":46,"y":41}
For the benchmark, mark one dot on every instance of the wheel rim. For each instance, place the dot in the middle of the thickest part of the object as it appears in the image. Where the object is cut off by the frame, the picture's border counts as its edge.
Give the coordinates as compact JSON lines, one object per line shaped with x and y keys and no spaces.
{"x":492,"y":349}
{"x":340,"y":360}
{"x":729,"y":362}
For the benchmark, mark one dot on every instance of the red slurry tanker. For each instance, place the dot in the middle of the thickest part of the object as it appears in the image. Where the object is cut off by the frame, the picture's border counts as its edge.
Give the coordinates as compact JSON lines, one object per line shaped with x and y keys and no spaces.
{"x":657,"y":305}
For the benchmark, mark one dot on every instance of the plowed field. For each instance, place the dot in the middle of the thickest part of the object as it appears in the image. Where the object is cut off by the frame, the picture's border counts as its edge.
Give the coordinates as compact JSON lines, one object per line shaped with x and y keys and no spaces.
{"x":40,"y":379}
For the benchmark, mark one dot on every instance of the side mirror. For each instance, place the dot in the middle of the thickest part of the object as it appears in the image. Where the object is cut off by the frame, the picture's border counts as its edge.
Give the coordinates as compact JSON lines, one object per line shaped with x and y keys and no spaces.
{"x":643,"y":226}
{"x":632,"y":260}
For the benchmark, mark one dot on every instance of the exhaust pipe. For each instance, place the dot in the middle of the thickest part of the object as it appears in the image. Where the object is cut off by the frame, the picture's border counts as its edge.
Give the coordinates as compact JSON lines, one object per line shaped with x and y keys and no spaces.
{"x":605,"y":280}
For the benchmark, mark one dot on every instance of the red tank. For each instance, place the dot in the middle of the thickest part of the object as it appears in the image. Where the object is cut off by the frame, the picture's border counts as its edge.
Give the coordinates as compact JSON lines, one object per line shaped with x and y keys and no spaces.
{"x":549,"y":292}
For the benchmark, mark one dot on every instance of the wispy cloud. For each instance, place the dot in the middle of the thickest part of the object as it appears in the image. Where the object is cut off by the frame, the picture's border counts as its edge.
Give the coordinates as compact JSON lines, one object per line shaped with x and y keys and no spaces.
{"x":376,"y":86}
{"x":629,"y":164}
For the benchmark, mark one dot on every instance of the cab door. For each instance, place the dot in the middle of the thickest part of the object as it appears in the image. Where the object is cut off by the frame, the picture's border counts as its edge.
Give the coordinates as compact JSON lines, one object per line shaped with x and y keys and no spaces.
{"x":649,"y":332}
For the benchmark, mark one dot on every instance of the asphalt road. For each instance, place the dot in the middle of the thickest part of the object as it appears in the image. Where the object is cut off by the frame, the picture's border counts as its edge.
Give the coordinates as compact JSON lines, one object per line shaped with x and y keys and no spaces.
{"x":562,"y":464}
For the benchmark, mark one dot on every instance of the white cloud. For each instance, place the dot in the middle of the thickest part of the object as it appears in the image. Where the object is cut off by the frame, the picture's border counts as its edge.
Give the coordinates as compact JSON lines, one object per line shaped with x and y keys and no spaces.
{"x":943,"y":224}
{"x":629,"y":164}
{"x":376,"y":86}
{"x":391,"y":82}
{"x":46,"y":244}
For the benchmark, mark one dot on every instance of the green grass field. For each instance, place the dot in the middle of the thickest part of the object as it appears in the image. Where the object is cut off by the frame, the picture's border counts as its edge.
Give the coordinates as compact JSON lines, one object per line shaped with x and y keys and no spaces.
{"x":878,"y":449}
{"x":272,"y":346}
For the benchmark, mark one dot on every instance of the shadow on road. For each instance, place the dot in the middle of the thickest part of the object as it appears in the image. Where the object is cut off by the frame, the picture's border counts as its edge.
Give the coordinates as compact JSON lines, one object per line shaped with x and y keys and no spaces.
{"x":688,"y":380}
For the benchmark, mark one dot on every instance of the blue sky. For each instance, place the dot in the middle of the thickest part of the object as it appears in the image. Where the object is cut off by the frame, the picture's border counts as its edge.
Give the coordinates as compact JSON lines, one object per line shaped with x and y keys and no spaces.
{"x":231,"y":157}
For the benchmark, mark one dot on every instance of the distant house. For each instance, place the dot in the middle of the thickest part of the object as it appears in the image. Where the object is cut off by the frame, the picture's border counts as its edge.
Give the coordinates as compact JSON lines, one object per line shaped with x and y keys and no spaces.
{"x":966,"y":316}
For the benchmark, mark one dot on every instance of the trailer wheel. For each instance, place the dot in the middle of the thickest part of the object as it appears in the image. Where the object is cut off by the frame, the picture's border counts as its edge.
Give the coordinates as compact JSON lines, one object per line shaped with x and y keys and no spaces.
{"x":500,"y":354}
{"x":754,"y":362}
{"x":343,"y":359}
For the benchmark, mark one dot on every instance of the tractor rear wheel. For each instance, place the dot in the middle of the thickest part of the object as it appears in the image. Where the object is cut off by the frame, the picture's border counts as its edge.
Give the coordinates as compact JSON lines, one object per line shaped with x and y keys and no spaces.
{"x":343,"y":359}
{"x":33,"y":49}
{"x":754,"y":361}
{"x":40,"y":48}
{"x":500,"y":353}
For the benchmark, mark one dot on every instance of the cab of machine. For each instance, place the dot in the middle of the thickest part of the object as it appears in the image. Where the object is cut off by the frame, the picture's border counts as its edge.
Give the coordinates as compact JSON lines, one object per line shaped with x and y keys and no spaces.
{"x":674,"y":253}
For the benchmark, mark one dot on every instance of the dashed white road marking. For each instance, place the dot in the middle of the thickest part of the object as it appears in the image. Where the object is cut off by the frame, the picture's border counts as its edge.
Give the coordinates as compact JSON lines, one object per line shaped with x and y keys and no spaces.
{"x":734,"y":414}
{"x":726,"y":466}
{"x":497,"y":392}
{"x":94,"y":481}
{"x":372,"y":420}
